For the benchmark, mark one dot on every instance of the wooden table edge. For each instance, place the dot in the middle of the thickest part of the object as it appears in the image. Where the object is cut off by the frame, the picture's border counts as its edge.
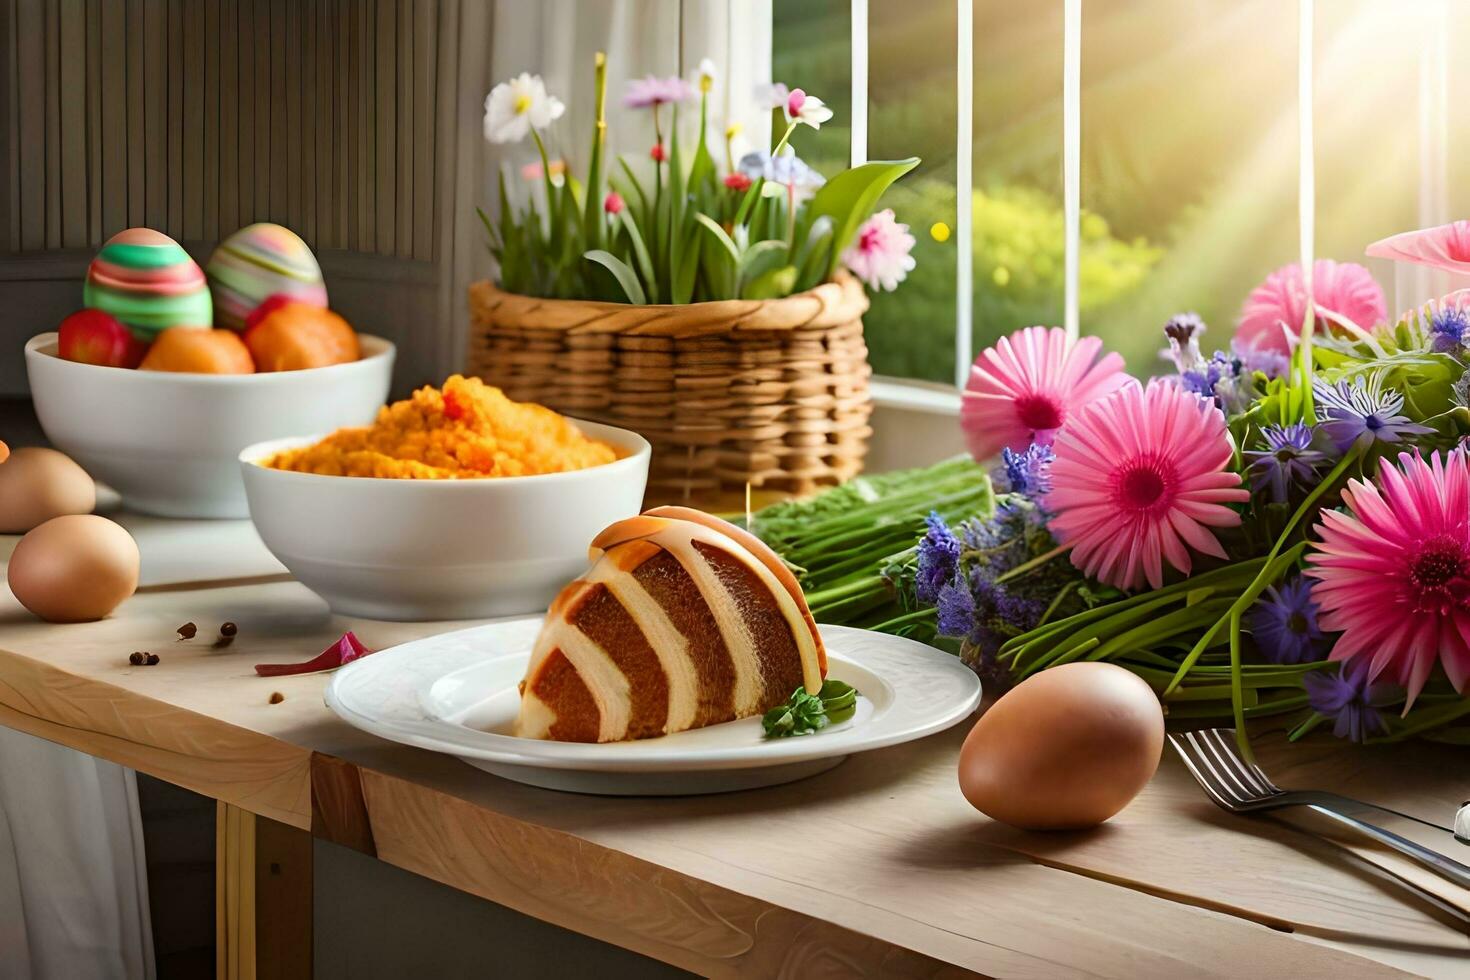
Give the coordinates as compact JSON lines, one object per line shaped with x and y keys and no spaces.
{"x":334,"y":807}
{"x":404,"y":824}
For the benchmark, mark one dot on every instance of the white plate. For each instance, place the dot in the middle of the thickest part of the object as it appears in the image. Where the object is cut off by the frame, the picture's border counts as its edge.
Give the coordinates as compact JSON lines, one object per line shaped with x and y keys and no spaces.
{"x":456,"y":693}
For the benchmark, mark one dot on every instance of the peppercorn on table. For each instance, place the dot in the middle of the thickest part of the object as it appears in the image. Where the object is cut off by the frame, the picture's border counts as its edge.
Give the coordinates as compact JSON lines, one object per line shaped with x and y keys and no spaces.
{"x":913,"y":881}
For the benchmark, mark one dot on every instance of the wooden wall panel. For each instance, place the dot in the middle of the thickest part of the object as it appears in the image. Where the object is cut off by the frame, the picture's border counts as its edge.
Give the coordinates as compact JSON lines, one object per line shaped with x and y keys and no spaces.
{"x":198,"y":116}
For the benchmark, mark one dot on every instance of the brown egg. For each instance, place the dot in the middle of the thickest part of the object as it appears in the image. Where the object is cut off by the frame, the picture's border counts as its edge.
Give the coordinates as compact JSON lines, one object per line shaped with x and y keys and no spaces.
{"x":74,"y":569}
{"x":39,"y":484}
{"x":1067,"y":748}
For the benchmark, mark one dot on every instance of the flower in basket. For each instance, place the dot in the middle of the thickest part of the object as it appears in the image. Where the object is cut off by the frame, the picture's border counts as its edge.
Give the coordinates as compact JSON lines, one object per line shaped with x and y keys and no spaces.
{"x":881,"y":255}
{"x":675,"y":226}
{"x":518,"y":107}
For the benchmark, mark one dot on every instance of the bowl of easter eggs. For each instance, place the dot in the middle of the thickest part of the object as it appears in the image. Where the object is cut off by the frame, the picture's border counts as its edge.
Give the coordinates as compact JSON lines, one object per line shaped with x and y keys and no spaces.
{"x":169,"y":370}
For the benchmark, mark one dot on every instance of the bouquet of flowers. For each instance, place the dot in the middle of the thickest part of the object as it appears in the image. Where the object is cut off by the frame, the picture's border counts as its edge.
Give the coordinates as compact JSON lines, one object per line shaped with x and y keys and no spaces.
{"x":683,"y":227}
{"x":1282,"y":529}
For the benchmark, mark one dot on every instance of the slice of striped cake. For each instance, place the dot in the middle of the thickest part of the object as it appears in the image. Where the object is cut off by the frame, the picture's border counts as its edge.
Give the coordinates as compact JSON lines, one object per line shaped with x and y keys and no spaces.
{"x":683,"y":620}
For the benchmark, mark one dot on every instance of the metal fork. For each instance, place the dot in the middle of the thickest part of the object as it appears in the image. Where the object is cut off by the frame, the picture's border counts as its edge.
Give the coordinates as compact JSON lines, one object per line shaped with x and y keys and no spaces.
{"x":1241,"y":787}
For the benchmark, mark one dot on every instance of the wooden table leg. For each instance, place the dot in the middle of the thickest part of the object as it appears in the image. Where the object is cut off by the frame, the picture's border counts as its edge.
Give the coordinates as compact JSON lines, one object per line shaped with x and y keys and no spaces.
{"x":262,"y":894}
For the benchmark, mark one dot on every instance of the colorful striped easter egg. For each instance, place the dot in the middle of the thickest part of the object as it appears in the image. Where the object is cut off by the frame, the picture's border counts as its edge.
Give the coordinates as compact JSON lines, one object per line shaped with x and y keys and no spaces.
{"x":257,"y":262}
{"x":147,"y":281}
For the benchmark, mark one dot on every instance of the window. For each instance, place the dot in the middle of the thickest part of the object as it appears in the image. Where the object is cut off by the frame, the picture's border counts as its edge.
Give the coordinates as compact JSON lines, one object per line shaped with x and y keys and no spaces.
{"x":1188,"y":153}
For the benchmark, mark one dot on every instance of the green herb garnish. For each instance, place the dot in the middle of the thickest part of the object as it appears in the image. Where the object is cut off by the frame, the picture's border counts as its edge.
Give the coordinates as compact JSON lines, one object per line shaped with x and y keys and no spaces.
{"x":804,"y":714}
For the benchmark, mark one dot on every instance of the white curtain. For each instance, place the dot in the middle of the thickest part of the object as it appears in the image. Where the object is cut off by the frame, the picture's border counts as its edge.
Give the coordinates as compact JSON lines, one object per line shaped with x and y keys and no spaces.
{"x":558,"y":39}
{"x":73,"y":883}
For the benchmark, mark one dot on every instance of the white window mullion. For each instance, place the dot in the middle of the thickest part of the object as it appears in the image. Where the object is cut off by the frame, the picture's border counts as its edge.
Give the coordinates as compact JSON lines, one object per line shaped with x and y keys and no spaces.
{"x":1306,"y":158}
{"x":964,"y":203}
{"x":1072,"y":159}
{"x":859,"y":82}
{"x":1433,"y":203}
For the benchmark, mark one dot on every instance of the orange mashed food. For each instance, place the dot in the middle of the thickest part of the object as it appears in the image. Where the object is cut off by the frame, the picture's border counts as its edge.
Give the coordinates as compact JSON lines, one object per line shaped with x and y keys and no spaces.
{"x":468,"y":430}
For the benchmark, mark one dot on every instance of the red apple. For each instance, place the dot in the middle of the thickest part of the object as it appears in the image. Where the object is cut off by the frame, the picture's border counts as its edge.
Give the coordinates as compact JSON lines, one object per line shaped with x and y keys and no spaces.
{"x":94,"y":337}
{"x":267,"y":306}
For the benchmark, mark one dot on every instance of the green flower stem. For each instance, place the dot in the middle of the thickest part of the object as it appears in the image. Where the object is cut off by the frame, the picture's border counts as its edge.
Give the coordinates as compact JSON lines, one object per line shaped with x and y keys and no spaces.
{"x":1148,"y":634}
{"x":1304,"y":366}
{"x":1222,"y":578}
{"x":844,"y":570}
{"x":860,"y":587}
{"x":1273,"y":568}
{"x":1302,"y":730}
{"x":785,"y":138}
{"x":1237,"y":696}
{"x":1033,"y":564}
{"x":1427,"y":718}
{"x":791,"y":218}
{"x":753,"y":192}
{"x":917,"y":616}
{"x":658,"y":168}
{"x":1091,"y":638}
{"x":594,"y":227}
{"x":551,"y":208}
{"x":846,"y":610}
{"x":1279,"y":706}
{"x":821,"y":541}
{"x":1056,"y":601}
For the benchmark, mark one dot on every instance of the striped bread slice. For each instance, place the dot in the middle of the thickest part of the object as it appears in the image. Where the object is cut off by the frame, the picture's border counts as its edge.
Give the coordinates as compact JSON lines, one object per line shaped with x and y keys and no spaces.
{"x":682,"y":621}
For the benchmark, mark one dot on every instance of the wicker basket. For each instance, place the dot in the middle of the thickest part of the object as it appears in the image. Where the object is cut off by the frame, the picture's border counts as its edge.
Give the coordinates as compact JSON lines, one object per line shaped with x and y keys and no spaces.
{"x":770,"y":394}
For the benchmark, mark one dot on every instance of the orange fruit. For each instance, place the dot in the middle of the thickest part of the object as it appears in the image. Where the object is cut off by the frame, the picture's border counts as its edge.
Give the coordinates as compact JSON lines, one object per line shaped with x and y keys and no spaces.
{"x":198,"y":351}
{"x":296,"y":336}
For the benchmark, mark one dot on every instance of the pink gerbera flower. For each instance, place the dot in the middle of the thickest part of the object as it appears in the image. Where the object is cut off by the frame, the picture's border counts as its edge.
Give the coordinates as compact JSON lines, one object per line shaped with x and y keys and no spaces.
{"x":1138,"y":478}
{"x":1025,"y":388}
{"x":1393,"y":574}
{"x":1272,"y":316}
{"x":1444,"y":247}
{"x":879,"y":256}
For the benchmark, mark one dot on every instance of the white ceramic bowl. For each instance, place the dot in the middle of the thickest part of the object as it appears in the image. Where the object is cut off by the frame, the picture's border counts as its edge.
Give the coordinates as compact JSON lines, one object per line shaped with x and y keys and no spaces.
{"x":441,"y":549}
{"x":170,"y":442}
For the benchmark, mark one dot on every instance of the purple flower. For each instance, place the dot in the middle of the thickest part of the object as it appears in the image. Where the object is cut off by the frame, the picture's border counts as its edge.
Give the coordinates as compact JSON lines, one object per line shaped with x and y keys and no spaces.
{"x":993,"y":601}
{"x":939,"y":558}
{"x":1028,"y":472}
{"x":1349,"y":700}
{"x":654,"y":91}
{"x":956,"y":607}
{"x":1287,"y":459}
{"x":1183,"y":331}
{"x":784,"y":168}
{"x":1284,"y":624}
{"x":1271,"y":363}
{"x":998,"y":543}
{"x":1219,"y":378}
{"x":1362,"y":412}
{"x":772,"y":95}
{"x":1447,"y":330}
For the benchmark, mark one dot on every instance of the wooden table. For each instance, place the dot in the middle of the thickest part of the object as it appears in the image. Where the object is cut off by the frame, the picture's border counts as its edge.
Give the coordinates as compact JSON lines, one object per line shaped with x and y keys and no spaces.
{"x":876,"y":868}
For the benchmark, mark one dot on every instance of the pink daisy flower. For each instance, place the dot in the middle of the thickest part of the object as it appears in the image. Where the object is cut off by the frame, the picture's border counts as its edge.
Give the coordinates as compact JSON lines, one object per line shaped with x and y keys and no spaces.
{"x":879,"y":256}
{"x":1138,"y":478}
{"x":1272,"y":315}
{"x":1025,"y":388}
{"x":1393,"y":573}
{"x":652,"y":91}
